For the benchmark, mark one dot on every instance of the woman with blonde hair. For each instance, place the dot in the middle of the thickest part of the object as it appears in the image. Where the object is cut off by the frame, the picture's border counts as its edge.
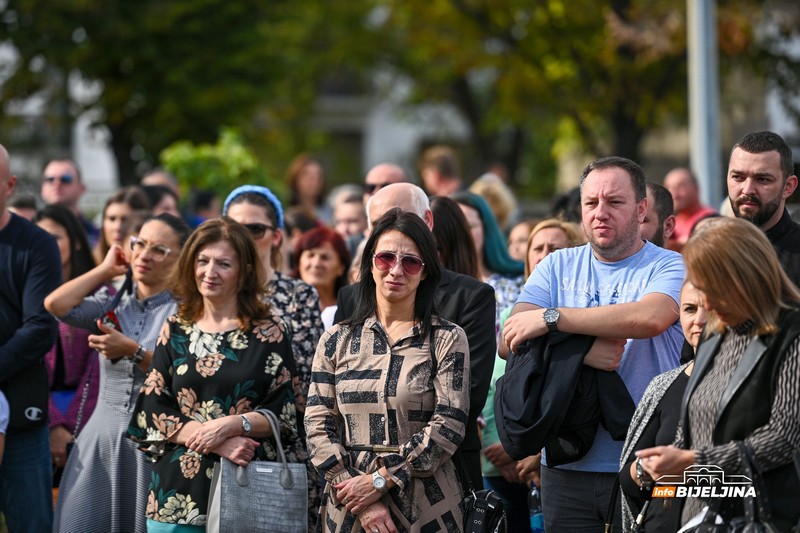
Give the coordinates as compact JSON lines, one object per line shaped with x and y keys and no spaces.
{"x":548,"y":236}
{"x":746,"y":378}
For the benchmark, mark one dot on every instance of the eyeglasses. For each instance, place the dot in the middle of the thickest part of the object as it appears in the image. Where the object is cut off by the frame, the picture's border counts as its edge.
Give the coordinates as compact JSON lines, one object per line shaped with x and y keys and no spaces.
{"x":372,"y":187}
{"x":386,"y":261}
{"x":158,"y":252}
{"x":66,"y":179}
{"x":258,"y":230}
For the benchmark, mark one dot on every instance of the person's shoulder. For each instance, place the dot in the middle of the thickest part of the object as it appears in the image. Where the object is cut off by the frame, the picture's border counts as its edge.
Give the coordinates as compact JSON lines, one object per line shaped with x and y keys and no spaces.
{"x":660,"y":254}
{"x":450,"y":277}
{"x":444,"y":327}
{"x":28,"y":232}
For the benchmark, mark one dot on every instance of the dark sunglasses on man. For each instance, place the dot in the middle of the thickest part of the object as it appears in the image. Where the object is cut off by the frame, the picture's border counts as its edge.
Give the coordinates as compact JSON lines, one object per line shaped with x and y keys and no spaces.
{"x":371,"y":188}
{"x":66,"y":179}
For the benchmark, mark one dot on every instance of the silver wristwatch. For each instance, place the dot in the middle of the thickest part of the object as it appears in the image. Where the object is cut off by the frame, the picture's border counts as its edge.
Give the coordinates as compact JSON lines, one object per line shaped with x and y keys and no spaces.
{"x":379,"y":482}
{"x":247,"y":427}
{"x":551,"y":316}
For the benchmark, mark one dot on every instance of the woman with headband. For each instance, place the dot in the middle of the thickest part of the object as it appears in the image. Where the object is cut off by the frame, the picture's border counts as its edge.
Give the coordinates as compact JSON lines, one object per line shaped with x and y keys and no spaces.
{"x":296,"y":302}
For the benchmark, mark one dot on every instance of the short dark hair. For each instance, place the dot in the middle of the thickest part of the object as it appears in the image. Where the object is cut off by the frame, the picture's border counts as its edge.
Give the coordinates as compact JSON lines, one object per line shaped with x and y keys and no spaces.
{"x":317,"y":237}
{"x":410,"y":225}
{"x":638,"y":179}
{"x":663,"y":200}
{"x":758,"y":142}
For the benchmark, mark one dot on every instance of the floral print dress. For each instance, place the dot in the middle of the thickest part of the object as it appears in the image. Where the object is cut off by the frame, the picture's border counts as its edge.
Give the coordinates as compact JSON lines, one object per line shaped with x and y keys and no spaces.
{"x":203,"y":376}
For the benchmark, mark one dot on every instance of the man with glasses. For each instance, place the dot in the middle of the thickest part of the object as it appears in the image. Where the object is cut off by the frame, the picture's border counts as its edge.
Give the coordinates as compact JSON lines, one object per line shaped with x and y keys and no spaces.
{"x":61,"y":184}
{"x":380,"y":176}
{"x":460,"y":299}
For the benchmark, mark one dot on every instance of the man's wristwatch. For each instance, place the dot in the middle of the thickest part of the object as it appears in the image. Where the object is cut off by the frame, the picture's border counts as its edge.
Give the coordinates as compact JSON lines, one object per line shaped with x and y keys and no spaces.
{"x":551,"y":316}
{"x":138,"y":355}
{"x":379,"y":482}
{"x":247,"y":427}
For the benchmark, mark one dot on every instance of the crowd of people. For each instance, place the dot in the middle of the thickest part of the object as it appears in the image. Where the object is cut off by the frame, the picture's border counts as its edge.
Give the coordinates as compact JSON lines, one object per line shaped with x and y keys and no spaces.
{"x":376,"y":324}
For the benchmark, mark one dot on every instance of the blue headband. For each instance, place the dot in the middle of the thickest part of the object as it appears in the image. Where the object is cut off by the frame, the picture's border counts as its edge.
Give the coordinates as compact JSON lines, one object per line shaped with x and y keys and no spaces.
{"x":262,"y":191}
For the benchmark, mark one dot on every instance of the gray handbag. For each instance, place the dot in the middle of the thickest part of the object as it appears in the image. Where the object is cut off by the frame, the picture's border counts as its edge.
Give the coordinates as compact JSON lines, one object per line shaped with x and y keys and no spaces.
{"x":265,"y":496}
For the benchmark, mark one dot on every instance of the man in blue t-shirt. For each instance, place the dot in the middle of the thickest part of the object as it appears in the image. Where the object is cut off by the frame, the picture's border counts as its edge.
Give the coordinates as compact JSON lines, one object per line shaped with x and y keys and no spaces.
{"x":621,"y":289}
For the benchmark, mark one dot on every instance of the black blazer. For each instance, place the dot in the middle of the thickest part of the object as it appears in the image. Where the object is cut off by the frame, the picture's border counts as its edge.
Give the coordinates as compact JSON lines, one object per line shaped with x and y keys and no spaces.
{"x":549,"y":399}
{"x":470,"y":304}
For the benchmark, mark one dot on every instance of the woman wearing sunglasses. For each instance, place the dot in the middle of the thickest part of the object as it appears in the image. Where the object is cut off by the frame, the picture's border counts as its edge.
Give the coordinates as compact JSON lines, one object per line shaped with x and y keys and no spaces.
{"x":104,"y":486}
{"x":389,"y":394}
{"x":296,"y":302}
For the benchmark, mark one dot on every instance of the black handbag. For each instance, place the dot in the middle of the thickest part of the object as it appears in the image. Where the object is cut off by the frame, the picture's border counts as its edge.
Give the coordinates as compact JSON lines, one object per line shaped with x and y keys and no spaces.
{"x":756,"y":517}
{"x":484,"y":512}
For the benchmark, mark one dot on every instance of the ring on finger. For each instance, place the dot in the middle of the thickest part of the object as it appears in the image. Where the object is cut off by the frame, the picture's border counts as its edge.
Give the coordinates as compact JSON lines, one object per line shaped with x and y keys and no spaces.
{"x":375,"y":530}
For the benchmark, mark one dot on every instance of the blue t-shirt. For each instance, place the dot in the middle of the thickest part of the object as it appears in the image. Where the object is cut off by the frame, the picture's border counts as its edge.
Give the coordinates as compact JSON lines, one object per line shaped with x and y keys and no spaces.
{"x":574,"y":277}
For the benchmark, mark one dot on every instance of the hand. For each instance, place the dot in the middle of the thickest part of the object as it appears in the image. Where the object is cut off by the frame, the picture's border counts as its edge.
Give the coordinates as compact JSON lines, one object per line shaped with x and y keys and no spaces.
{"x":239,"y":450}
{"x":664,"y":460}
{"x":112,"y":344}
{"x":497,"y":455}
{"x":213,"y":433}
{"x":114,"y":262}
{"x":510,"y":474}
{"x":523,"y":326}
{"x":59,"y":438}
{"x":605,"y":354}
{"x":357,"y":493}
{"x":530,"y":469}
{"x":376,"y":517}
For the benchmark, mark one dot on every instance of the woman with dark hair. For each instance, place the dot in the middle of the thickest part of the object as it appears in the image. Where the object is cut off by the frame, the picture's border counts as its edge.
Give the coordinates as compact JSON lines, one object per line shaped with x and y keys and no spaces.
{"x":389,"y":394}
{"x":104,"y":486}
{"x":221,"y":357}
{"x":746,"y":377}
{"x":306,"y":180}
{"x":322,"y":262}
{"x":162,"y":199}
{"x":495,"y":265}
{"x":71,"y":366}
{"x":453,"y":241}
{"x":118,"y":212}
{"x":293,"y":300}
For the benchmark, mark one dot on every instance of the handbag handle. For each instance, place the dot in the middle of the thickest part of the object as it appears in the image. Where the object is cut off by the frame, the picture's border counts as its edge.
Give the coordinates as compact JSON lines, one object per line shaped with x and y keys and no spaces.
{"x":286,"y":479}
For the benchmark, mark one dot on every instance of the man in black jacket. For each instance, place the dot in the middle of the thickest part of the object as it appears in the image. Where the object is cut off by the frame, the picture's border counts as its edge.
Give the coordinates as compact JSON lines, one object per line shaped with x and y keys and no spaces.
{"x":30,"y":269}
{"x":459,"y":299}
{"x":760,"y":179}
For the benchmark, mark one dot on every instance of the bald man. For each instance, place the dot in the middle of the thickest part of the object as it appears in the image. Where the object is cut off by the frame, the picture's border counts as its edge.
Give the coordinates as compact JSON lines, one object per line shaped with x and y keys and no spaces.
{"x":459,"y":299}
{"x":682,"y":185}
{"x":380,"y":176}
{"x":30,"y":269}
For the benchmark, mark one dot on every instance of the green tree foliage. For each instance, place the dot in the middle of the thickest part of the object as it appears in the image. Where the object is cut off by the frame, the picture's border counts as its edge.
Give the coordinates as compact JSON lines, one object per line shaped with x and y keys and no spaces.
{"x":219,"y":167}
{"x":524,"y":73}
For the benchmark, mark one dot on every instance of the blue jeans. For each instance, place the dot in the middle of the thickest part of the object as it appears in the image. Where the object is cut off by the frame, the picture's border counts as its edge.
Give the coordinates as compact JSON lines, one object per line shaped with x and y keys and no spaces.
{"x":26,"y":482}
{"x":515,"y":501}
{"x":577,"y":502}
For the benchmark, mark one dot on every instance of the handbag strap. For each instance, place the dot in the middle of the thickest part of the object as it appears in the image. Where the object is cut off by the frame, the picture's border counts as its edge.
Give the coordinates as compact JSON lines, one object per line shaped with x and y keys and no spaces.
{"x":84,"y":396}
{"x":275,"y":424}
{"x":612,"y":504}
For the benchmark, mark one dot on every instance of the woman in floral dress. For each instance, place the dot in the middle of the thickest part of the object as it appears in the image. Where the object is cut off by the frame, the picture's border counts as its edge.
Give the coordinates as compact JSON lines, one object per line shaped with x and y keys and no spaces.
{"x":293,"y":300}
{"x":219,"y":358}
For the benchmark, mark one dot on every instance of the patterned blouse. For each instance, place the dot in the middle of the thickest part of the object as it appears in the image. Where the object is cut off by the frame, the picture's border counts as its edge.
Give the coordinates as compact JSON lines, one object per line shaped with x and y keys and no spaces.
{"x":366,"y":392}
{"x":203,"y":376}
{"x":773,"y":444}
{"x":506,"y":292}
{"x":297,"y":303}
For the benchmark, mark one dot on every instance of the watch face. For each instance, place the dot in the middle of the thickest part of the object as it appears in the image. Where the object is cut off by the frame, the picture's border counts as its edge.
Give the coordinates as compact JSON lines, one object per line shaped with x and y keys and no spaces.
{"x":551,"y":315}
{"x":379,"y":482}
